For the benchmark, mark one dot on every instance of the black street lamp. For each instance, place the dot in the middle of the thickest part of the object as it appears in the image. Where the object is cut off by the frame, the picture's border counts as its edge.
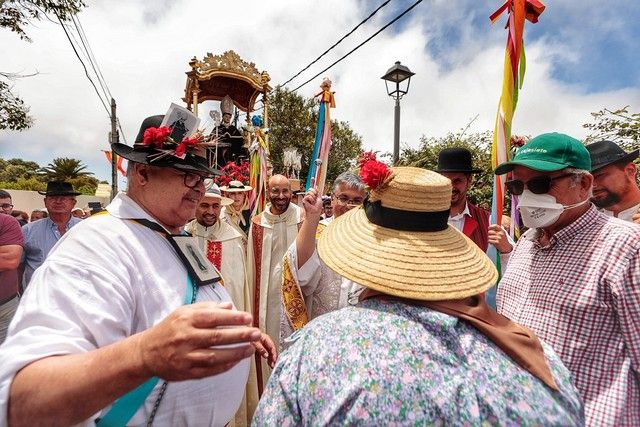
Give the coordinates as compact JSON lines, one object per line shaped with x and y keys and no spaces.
{"x":396,"y":75}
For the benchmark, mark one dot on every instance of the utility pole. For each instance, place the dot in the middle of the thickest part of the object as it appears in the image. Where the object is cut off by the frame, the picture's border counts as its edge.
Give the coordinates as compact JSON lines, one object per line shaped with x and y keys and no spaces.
{"x":114,"y":139}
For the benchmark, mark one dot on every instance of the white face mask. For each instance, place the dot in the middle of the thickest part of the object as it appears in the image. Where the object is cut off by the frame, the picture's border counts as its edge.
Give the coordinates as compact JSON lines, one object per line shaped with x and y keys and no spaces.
{"x":541,"y":210}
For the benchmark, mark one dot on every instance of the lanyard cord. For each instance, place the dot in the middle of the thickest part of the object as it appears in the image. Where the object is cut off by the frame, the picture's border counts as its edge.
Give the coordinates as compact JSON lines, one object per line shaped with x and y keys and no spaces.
{"x":163,"y":388}
{"x":191,"y":289}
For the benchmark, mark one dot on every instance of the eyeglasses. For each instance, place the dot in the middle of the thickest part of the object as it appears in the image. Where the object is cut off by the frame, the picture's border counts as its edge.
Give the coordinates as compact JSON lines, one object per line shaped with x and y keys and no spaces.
{"x":537,"y":185}
{"x":191,"y":180}
{"x":6,"y":206}
{"x":345,"y":201}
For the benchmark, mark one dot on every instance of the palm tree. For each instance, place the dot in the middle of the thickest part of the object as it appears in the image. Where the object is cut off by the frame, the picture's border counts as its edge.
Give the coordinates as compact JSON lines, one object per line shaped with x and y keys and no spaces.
{"x":64,"y":169}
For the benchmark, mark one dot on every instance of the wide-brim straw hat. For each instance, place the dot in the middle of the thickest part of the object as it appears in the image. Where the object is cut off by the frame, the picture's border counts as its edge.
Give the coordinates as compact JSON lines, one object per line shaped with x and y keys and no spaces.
{"x":399,"y":242}
{"x":235,"y":187}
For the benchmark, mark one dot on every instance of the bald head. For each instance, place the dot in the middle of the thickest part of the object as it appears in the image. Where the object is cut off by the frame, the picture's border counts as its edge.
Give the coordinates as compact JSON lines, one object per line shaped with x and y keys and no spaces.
{"x":279,"y":180}
{"x":279,"y":194}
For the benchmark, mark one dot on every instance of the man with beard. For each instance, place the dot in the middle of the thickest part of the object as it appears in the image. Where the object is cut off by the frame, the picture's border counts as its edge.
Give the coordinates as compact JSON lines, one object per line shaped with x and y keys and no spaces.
{"x":222,"y":244}
{"x":270,"y":234}
{"x":309,"y":287}
{"x":471,"y":220}
{"x":615,"y":189}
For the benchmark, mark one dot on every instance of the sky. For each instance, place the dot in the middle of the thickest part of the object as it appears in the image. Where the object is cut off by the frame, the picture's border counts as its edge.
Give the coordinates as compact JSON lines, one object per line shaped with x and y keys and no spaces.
{"x":581,"y":57}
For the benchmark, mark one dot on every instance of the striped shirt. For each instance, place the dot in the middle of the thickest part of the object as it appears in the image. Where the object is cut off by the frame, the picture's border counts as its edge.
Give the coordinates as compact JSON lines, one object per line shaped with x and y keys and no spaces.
{"x":581,"y":294}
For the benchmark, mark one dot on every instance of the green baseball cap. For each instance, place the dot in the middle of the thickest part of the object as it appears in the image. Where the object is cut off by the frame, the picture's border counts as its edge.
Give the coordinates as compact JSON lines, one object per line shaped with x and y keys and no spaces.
{"x":549,"y":152}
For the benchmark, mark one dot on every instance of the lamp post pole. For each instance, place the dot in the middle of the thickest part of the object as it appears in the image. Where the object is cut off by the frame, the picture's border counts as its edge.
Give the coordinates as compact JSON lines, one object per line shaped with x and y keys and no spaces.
{"x":396,"y":131}
{"x":396,"y":75}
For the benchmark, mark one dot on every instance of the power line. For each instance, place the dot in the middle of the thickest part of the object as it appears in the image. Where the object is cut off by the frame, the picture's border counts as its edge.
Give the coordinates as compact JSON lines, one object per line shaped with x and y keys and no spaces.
{"x":83,"y":66}
{"x":94,"y":64}
{"x":338,"y":42}
{"x":88,"y":53}
{"x":92,"y":58}
{"x":361,"y":44}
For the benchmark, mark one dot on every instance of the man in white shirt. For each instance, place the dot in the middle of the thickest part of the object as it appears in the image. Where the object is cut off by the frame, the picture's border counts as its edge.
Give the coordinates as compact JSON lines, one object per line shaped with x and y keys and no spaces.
{"x":114,"y":310}
{"x":309,"y":287}
{"x":615,"y":186}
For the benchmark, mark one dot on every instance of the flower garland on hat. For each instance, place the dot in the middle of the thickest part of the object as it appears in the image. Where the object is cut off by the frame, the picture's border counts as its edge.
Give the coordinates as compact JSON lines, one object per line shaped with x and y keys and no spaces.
{"x":160,"y":139}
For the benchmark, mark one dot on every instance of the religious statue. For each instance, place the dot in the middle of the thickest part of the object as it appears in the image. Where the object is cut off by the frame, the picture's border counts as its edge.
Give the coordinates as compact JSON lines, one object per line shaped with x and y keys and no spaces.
{"x":229,"y":137}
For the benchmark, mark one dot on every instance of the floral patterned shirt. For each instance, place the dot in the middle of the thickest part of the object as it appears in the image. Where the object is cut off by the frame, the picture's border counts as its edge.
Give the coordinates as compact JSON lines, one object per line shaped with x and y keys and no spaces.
{"x":391,"y":363}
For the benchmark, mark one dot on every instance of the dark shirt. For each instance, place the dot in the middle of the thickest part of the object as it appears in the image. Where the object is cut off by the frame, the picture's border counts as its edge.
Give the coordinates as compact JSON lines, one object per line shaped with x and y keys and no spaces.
{"x":231,"y":135}
{"x":10,"y":234}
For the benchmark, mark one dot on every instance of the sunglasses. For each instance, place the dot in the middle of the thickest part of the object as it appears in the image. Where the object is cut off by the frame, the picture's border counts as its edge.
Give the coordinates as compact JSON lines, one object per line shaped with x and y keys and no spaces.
{"x":537,"y":185}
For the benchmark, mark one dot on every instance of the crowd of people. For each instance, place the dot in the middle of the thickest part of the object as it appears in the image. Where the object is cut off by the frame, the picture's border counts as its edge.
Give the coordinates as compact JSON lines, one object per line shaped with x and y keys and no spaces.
{"x":368,"y":305}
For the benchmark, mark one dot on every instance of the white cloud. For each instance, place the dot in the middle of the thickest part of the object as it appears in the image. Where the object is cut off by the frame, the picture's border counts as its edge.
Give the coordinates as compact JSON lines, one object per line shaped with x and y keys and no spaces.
{"x":144,"y":47}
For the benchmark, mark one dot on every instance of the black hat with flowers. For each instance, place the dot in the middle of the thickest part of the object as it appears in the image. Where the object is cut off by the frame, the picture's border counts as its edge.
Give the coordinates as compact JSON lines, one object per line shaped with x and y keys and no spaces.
{"x":166,"y":146}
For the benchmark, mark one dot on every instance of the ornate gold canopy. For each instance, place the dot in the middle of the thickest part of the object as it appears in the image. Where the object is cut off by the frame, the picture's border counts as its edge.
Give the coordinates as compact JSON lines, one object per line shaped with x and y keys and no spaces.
{"x":219,"y":75}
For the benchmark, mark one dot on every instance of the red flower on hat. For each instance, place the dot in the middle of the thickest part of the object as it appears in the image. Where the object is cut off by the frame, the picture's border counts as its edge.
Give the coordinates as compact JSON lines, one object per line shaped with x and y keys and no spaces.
{"x":374,"y":173}
{"x":366,"y":157}
{"x":156,"y":137}
{"x":181,"y":149}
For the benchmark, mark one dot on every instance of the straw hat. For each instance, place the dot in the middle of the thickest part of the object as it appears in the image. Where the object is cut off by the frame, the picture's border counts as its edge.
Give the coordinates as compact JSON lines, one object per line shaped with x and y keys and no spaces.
{"x":235,"y":187}
{"x":399,"y":242}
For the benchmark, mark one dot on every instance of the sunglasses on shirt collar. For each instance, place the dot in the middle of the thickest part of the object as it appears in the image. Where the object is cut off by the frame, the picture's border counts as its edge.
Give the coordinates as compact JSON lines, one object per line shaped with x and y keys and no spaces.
{"x":538,"y":185}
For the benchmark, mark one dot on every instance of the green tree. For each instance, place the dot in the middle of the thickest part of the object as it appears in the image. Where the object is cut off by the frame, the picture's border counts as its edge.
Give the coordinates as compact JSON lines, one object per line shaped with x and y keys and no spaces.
{"x":292,"y":123}
{"x":14,"y":169}
{"x":426,"y":156}
{"x":15,"y":15}
{"x":621,"y":126}
{"x":14,"y":114}
{"x":85,"y":184}
{"x":64,"y":169}
{"x":30,"y":184}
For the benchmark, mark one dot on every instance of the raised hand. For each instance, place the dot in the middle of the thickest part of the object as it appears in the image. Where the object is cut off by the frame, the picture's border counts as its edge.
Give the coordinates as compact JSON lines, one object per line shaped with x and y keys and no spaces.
{"x":312,"y":204}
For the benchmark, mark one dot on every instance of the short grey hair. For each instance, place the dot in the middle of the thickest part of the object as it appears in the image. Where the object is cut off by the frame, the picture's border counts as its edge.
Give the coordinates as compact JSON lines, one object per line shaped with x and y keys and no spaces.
{"x":350,"y":180}
{"x":577,"y":176}
{"x":130,"y":171}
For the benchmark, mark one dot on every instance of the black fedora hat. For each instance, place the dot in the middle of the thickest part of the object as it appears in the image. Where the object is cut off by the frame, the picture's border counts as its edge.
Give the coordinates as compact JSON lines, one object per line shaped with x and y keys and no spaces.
{"x":456,"y":160}
{"x":193,"y":160}
{"x":604,"y":153}
{"x":59,"y":188}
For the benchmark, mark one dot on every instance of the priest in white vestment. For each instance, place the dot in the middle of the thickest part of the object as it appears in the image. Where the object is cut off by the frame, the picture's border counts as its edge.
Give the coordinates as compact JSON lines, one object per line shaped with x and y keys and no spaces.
{"x":223,"y":245}
{"x":270,"y":234}
{"x":309,"y":287}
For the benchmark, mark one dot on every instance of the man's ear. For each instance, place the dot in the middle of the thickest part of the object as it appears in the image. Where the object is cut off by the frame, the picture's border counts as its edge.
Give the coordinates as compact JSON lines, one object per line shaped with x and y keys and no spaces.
{"x":141,"y":173}
{"x":586,"y":182}
{"x":631,"y":171}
